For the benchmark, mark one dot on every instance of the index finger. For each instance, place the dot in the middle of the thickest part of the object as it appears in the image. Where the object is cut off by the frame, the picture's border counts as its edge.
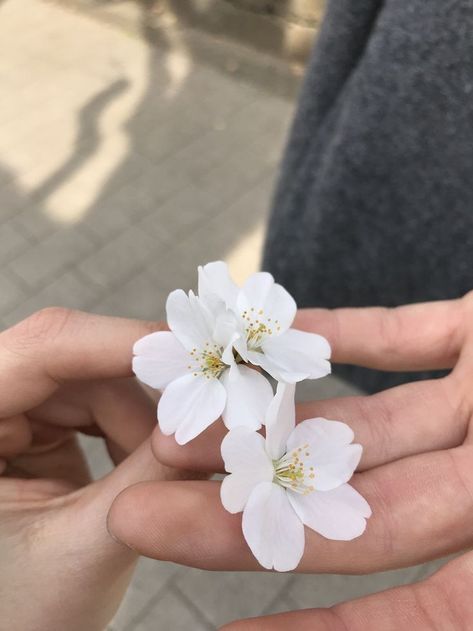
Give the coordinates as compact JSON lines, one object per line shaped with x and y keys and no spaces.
{"x":57,"y":345}
{"x":424,"y":336}
{"x":420,"y":505}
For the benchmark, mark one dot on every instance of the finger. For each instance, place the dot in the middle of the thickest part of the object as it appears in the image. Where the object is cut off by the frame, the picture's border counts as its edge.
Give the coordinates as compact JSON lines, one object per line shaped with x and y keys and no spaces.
{"x":420,"y":507}
{"x":118,"y":409}
{"x":423,"y":336}
{"x":15,"y":436}
{"x":410,"y":419}
{"x":97,"y":498}
{"x":54,"y":456}
{"x":443,"y":601}
{"x":57,"y":345}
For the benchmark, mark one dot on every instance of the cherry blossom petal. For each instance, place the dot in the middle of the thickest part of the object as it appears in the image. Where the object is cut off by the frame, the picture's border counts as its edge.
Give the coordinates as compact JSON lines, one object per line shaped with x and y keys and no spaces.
{"x":297,"y":355}
{"x":273,"y":368}
{"x":159,"y":359}
{"x":240,"y":345}
{"x":245,"y":457}
{"x":248,"y":397}
{"x":189,"y":319}
{"x":262,"y":298}
{"x":189,"y":405}
{"x":280,"y":420}
{"x":337,"y":514}
{"x":215,"y":280}
{"x":272,"y":529}
{"x":333,"y":457}
{"x":322,"y":431}
{"x":226,"y":328}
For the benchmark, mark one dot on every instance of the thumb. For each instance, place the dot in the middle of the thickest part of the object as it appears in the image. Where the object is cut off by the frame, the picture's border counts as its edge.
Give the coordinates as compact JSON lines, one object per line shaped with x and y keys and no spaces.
{"x":95,"y":502}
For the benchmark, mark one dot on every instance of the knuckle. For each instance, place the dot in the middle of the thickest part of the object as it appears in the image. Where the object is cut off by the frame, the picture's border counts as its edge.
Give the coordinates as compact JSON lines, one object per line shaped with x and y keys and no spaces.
{"x":379,"y":424}
{"x":390,"y":329}
{"x":41,"y":326}
{"x":48,"y":322}
{"x":384,"y":526}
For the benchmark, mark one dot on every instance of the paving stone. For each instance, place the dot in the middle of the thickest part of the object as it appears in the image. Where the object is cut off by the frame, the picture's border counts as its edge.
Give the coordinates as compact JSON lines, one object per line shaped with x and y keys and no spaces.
{"x":169,"y":135}
{"x":170,"y":612}
{"x":11,"y":293}
{"x":120,"y":257}
{"x":214,"y":593}
{"x":139,"y":298}
{"x":12,"y":241}
{"x":149,"y":584}
{"x":219,"y":236}
{"x":282,"y":604}
{"x":34,"y":222}
{"x":67,"y":290}
{"x":48,"y":258}
{"x":12,"y":198}
{"x":181,"y":214}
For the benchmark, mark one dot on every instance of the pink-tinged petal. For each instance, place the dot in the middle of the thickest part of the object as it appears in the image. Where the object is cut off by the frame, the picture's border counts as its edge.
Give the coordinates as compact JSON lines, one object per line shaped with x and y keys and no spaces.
{"x":189,"y":319}
{"x":280,"y":420}
{"x":297,"y":355}
{"x":272,"y":529}
{"x":159,"y":359}
{"x":244,"y":455}
{"x":248,"y":397}
{"x":215,"y":280}
{"x":189,"y":405}
{"x":333,"y":457}
{"x":264,"y":300}
{"x":338,"y":514}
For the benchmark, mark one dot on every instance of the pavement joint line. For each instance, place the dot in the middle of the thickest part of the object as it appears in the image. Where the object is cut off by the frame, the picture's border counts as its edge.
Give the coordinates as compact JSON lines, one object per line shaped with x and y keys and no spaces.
{"x":16,"y":278}
{"x":279,"y":594}
{"x":151,"y":602}
{"x":199,"y":614}
{"x":148,"y":606}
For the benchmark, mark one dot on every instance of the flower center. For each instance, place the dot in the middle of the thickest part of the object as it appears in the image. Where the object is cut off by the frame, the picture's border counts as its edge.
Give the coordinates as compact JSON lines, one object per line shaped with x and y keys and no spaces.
{"x":257,"y":327}
{"x":294,"y":471}
{"x":207,"y":362}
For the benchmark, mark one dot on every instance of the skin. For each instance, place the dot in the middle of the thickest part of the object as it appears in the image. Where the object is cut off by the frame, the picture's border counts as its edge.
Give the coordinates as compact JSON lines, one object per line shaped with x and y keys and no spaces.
{"x":61,"y":373}
{"x":416,"y":473}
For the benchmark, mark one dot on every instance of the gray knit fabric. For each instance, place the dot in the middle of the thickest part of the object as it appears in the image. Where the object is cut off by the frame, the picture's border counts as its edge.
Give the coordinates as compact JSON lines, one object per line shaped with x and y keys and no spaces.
{"x":375,"y":199}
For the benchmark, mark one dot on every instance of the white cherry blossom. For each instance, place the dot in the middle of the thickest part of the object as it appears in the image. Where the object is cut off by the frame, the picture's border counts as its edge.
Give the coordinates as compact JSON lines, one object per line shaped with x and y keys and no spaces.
{"x":295,"y":476}
{"x":263,"y":312}
{"x":194,"y":365}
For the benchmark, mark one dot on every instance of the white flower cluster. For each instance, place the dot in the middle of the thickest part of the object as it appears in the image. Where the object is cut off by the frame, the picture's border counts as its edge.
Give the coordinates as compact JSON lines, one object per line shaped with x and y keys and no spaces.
{"x":211,"y":364}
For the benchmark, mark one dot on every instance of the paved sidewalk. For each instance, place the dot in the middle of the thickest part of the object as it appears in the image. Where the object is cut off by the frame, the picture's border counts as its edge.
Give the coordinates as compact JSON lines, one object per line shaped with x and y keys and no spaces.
{"x":122,"y":166}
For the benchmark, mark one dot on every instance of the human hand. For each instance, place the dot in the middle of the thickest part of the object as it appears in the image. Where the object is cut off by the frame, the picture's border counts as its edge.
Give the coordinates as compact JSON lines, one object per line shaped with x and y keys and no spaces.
{"x":416,"y":473}
{"x":65,"y":372}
